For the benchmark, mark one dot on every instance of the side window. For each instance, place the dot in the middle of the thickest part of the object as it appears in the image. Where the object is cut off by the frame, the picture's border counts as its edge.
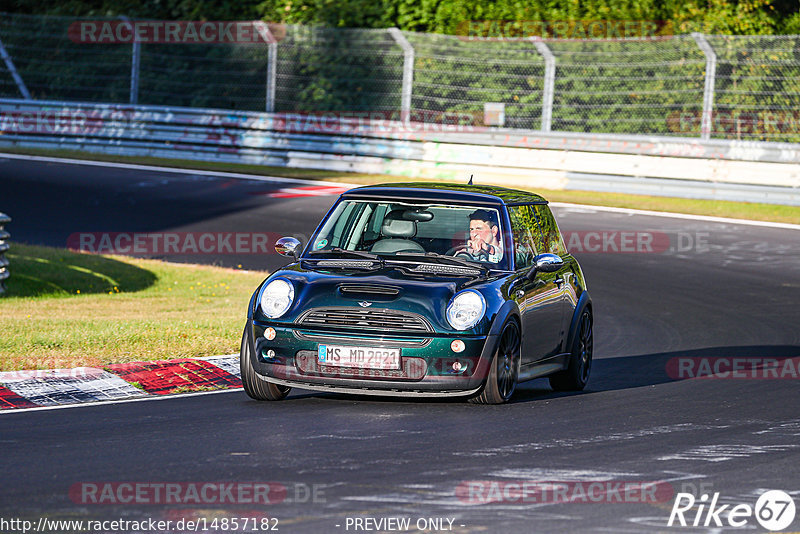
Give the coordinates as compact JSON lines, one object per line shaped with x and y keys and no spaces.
{"x":527,"y":239}
{"x":344,"y":227}
{"x":551,"y":237}
{"x":373,"y":230}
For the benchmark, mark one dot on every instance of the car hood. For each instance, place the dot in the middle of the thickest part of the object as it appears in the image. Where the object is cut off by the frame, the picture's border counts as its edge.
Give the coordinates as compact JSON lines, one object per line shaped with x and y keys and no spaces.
{"x":389,"y":288}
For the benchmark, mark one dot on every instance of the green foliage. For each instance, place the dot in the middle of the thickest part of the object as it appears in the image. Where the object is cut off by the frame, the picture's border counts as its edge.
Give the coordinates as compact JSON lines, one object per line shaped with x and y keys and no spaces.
{"x":444,"y":16}
{"x":651,"y":87}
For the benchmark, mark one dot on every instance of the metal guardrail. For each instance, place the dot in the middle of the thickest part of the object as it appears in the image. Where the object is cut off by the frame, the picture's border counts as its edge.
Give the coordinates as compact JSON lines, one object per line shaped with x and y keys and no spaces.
{"x":4,"y":246}
{"x":228,"y":131}
{"x":369,"y":144}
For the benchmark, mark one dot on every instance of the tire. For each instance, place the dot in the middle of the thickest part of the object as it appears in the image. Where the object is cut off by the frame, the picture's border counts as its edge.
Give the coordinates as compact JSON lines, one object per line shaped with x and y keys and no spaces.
{"x":576,"y":375}
{"x":504,"y":370}
{"x":257,"y":388}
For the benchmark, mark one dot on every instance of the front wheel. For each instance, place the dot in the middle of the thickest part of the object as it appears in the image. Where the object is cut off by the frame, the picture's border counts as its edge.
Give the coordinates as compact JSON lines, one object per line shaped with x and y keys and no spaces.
{"x":576,"y":375}
{"x":256,"y":387}
{"x":504,"y":371}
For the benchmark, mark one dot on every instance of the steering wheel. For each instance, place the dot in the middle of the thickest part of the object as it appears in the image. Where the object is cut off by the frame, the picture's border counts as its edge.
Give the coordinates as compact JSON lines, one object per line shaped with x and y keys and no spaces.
{"x":463,"y":251}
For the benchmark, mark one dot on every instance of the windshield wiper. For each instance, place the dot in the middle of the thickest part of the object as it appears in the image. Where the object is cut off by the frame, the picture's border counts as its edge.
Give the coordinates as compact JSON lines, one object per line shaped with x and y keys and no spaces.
{"x":447,"y":259}
{"x":356,"y":253}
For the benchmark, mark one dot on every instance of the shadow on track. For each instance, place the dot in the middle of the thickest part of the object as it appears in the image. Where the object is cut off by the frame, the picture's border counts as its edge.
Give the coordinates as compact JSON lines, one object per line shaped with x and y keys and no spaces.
{"x":43,"y":271}
{"x":608,"y":374}
{"x":612,"y":374}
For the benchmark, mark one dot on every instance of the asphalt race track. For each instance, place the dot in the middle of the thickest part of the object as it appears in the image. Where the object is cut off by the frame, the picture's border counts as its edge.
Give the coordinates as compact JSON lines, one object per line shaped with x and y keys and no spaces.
{"x":709,"y":292}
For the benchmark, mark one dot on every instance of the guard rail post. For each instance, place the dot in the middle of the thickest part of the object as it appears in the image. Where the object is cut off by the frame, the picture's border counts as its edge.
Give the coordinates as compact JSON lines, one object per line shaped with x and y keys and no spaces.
{"x":13,"y":71}
{"x":272,"y":63}
{"x":408,"y":73}
{"x":136,"y":53}
{"x":708,"y":88}
{"x":4,"y":273}
{"x":549,"y":84}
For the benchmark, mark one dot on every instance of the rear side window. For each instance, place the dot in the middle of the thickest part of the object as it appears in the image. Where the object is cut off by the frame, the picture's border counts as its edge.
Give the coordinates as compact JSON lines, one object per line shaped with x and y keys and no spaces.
{"x":527,"y":238}
{"x":552,"y":241}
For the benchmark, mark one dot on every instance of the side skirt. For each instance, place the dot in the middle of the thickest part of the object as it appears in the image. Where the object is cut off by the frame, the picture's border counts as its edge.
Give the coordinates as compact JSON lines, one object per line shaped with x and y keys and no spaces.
{"x":542,"y":368}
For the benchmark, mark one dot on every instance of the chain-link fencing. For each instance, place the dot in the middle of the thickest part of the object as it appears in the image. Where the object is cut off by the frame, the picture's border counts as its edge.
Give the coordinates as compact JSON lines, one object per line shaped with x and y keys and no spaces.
{"x":719,"y":87}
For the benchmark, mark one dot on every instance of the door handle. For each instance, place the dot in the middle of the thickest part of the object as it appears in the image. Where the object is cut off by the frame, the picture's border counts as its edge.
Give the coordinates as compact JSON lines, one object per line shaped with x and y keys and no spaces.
{"x":559,"y":281}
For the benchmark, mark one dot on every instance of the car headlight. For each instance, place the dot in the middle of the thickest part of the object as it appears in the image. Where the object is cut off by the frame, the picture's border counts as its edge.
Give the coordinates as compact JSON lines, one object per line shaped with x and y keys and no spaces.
{"x":276,"y":297}
{"x":466,"y":309}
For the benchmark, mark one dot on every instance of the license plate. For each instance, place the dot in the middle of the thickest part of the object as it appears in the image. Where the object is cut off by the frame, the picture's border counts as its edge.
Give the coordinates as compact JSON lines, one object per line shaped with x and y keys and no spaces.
{"x":360,"y":357}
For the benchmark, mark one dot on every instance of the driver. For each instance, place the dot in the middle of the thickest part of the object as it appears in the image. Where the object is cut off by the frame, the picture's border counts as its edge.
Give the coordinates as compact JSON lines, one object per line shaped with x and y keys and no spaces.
{"x":484,"y":236}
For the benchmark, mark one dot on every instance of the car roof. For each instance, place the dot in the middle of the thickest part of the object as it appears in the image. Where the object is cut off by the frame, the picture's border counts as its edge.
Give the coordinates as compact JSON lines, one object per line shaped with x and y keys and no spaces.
{"x":480,"y":194}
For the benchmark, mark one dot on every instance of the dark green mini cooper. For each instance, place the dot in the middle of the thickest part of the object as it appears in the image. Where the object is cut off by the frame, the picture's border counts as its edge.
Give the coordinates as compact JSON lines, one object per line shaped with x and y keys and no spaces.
{"x":422,"y":289}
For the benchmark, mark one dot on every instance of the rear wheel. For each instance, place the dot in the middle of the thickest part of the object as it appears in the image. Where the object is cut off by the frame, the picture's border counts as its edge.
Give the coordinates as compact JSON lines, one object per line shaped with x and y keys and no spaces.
{"x":503,"y":374}
{"x":255,"y":387}
{"x":576,"y":375}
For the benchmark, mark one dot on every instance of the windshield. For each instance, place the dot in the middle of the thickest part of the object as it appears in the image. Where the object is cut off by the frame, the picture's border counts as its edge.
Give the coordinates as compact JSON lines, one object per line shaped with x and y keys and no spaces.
{"x":399,"y":231}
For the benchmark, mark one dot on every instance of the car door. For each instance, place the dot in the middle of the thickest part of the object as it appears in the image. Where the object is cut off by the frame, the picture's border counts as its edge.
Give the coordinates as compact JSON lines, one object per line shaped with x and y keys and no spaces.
{"x":563,"y":279}
{"x":536,"y":293}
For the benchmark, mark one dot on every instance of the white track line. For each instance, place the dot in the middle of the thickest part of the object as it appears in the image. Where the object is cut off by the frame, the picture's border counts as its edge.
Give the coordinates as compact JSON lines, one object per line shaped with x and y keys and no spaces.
{"x":278,"y":179}
{"x":630,"y":211}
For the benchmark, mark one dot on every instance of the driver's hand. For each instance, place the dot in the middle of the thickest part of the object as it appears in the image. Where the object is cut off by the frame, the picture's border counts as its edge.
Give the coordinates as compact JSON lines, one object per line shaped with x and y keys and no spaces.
{"x":475,"y":245}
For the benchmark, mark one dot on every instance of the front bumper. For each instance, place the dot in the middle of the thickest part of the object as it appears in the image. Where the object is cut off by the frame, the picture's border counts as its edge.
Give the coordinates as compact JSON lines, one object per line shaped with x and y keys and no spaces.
{"x":426,"y":362}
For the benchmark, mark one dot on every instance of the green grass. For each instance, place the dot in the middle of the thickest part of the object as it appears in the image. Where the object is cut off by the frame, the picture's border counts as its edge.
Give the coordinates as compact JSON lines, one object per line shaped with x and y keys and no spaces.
{"x":65,"y":309}
{"x":718,"y":208}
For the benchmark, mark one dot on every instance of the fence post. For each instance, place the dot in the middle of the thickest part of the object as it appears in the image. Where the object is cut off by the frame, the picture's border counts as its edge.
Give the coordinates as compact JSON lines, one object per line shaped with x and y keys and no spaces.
{"x":408,"y":73}
{"x":272,"y":72}
{"x":549,"y":83}
{"x":708,"y":89}
{"x":14,"y":74}
{"x":137,"y":48}
{"x":135,"y":55}
{"x":272,"y":62}
{"x":4,"y":219}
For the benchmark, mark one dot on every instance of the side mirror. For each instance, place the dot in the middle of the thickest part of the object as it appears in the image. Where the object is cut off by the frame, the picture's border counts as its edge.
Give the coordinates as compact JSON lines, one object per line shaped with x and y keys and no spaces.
{"x":287,"y":246}
{"x":546,"y":263}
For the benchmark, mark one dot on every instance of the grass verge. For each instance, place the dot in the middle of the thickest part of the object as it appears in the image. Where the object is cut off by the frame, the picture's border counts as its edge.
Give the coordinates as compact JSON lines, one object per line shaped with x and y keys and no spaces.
{"x":717,"y":208}
{"x":65,"y":309}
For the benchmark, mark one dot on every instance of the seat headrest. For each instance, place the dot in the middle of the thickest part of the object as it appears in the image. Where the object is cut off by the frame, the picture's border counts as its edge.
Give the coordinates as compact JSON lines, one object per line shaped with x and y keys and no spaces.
{"x":395,"y":226}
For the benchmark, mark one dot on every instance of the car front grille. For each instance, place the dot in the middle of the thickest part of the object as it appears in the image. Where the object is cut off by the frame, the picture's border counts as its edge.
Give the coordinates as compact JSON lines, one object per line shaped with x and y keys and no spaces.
{"x":364,"y":319}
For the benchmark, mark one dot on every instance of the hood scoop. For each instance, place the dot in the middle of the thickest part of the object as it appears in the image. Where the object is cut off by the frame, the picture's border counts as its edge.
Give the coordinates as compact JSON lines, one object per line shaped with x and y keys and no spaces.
{"x":369,"y":291}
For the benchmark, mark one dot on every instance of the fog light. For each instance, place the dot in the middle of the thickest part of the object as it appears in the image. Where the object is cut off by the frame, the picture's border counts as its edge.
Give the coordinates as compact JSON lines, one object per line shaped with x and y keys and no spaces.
{"x":269,"y":333}
{"x":270,"y":353}
{"x":457,"y":345}
{"x":456,"y":366}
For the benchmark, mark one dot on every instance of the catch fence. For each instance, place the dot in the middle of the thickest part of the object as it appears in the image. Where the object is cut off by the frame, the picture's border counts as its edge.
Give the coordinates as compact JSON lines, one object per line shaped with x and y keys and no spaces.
{"x":705,"y":86}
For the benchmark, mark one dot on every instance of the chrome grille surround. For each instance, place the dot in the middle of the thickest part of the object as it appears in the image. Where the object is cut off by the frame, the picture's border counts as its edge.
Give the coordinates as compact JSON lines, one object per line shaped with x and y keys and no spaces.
{"x":379,"y":342}
{"x":365,"y":319}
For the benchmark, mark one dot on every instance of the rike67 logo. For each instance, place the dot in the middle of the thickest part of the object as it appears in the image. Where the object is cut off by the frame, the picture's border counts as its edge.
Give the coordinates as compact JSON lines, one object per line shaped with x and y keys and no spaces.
{"x":774,"y":510}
